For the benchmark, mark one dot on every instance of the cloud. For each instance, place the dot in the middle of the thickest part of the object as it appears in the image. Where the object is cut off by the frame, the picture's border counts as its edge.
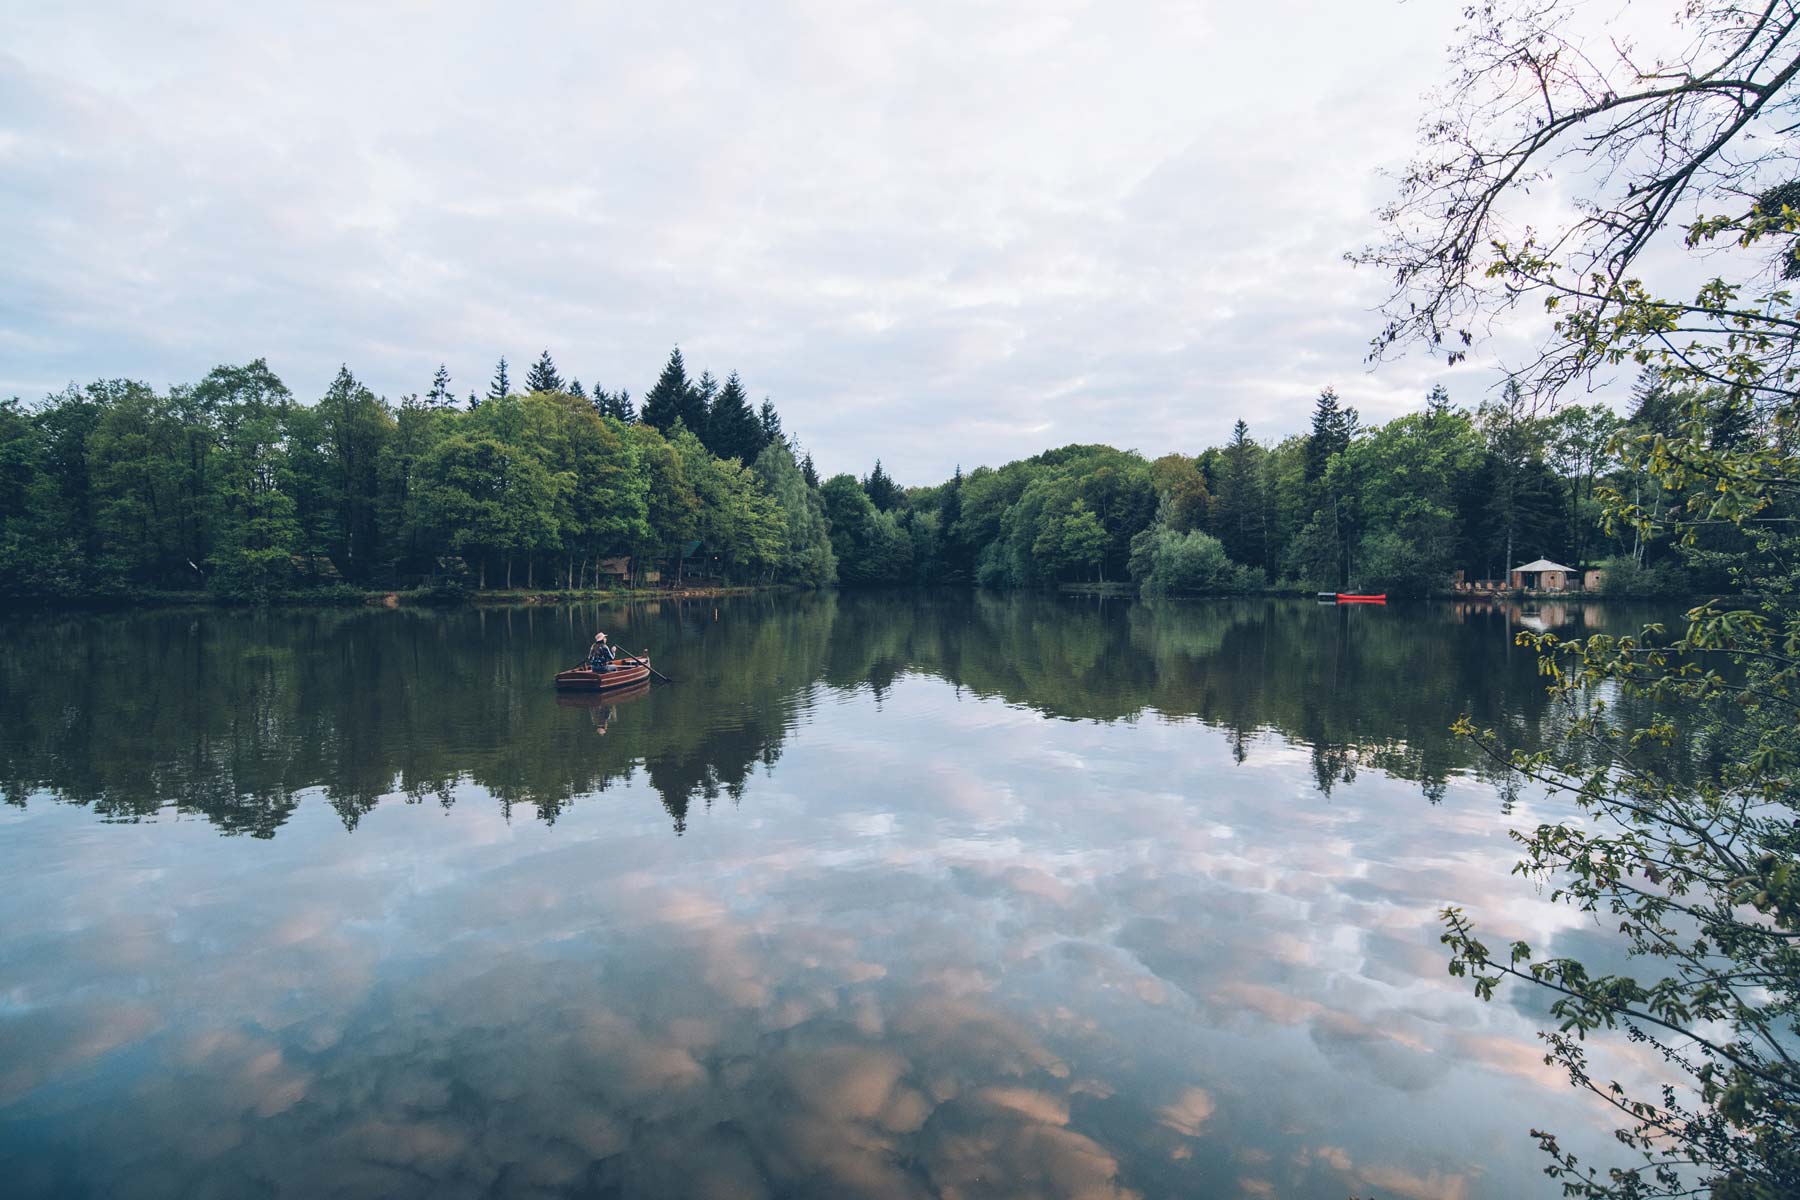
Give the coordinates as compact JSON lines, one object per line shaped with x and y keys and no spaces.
{"x":931,"y":234}
{"x":1151,"y":975}
{"x":1188,"y":1112}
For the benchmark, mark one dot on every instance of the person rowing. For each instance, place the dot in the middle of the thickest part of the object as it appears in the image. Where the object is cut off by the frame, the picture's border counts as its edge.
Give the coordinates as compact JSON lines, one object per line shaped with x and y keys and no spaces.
{"x":601,"y":653}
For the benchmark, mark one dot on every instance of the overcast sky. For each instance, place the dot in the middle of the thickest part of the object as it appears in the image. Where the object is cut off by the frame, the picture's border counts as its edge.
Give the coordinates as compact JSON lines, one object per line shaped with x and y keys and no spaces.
{"x":937,"y":233}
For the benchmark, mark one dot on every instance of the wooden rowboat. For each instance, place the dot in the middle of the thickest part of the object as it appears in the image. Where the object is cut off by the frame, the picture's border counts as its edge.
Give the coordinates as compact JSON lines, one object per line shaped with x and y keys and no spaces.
{"x":623,"y":672}
{"x":1347,"y":598}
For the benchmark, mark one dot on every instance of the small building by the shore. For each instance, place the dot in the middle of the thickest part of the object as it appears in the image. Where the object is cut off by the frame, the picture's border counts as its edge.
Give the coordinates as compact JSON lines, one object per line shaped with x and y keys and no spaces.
{"x":1543,"y":575}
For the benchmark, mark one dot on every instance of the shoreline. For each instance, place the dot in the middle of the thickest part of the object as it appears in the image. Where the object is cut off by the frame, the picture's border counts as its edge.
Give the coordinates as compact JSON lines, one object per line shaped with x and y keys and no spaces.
{"x":347,"y":597}
{"x":384,"y":598}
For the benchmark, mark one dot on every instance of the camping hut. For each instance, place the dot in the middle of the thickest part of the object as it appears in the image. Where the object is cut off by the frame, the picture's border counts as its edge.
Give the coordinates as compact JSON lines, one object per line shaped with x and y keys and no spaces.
{"x":1543,"y":576}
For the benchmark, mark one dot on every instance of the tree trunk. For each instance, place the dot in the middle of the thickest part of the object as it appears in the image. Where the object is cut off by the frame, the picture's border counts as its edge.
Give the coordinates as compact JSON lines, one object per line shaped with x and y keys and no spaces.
{"x":509,"y":572}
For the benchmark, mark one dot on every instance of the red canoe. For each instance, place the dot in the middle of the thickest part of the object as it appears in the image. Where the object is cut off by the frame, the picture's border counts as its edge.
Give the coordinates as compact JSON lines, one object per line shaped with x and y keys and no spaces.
{"x":1346,"y":598}
{"x":623,"y":673}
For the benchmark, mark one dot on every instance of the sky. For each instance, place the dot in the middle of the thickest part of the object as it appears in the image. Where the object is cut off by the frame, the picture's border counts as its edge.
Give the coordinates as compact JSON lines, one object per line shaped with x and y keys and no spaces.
{"x":933,"y":233}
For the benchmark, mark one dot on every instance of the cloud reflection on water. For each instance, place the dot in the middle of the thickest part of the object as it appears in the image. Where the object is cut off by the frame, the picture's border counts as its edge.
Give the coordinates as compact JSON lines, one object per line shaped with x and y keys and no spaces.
{"x":921,"y":955}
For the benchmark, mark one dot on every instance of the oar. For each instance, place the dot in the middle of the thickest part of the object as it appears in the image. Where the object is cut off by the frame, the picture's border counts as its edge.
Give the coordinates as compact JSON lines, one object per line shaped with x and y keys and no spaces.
{"x":644,"y":659}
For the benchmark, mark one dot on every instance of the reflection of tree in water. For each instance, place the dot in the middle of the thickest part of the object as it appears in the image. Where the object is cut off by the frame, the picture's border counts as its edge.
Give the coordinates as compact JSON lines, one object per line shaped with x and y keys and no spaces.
{"x":234,"y":716}
{"x":1357,"y":688}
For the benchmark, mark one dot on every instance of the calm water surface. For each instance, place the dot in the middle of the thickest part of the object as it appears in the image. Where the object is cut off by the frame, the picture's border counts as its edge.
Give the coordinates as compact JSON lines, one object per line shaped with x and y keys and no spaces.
{"x":944,"y":895}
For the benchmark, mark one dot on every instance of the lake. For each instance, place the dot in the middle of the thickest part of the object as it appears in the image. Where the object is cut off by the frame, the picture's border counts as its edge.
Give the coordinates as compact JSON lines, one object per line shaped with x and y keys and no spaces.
{"x":888,"y":895}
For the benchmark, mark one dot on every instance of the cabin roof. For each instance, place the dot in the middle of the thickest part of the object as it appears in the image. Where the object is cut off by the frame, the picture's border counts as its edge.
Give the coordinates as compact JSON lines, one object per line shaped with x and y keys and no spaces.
{"x":1544,"y":564}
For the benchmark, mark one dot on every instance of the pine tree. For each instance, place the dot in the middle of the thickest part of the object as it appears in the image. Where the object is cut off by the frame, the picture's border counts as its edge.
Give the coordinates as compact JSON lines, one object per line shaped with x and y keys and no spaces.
{"x":616,"y":405}
{"x":543,"y":376}
{"x":1331,"y":430}
{"x":474,"y":400}
{"x":1333,"y":508}
{"x":1239,"y":513}
{"x":732,"y":430}
{"x":1437,"y":403}
{"x":696,"y":410}
{"x":576,"y":390}
{"x":1654,"y":408}
{"x":881,"y":489}
{"x":664,"y":402}
{"x":956,"y":561}
{"x":695,"y":404}
{"x":439,"y":395}
{"x":770,"y":421}
{"x":502,"y":385}
{"x":1515,"y":441}
{"x":809,"y":471}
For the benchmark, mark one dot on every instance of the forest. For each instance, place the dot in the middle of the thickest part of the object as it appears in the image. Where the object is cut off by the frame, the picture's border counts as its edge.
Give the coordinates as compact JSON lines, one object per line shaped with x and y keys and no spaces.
{"x":235,"y":488}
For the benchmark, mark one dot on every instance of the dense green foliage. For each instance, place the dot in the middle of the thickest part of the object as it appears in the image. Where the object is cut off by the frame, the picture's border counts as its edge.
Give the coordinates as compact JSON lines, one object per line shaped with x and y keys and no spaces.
{"x":234,"y":487}
{"x":1398,"y":508}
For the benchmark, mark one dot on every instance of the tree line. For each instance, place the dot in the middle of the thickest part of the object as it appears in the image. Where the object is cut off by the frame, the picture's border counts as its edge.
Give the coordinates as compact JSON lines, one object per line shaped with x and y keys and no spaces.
{"x":234,"y":486}
{"x":1401,"y":507}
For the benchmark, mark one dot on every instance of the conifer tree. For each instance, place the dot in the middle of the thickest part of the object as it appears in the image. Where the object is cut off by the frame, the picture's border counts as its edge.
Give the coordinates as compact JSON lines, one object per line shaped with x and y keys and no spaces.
{"x":1332,"y":426}
{"x":616,"y":405}
{"x":1523,"y":504}
{"x":882,"y":491}
{"x":696,"y":404}
{"x":543,"y":376}
{"x":502,"y":384}
{"x":576,"y":390}
{"x":810,"y":472}
{"x":1654,"y":408}
{"x":1437,"y":402}
{"x":664,"y":402}
{"x":1334,"y":527}
{"x":954,"y":552}
{"x":1238,"y":517}
{"x":474,"y":400}
{"x":732,"y":430}
{"x":439,"y":395}
{"x":770,"y":421}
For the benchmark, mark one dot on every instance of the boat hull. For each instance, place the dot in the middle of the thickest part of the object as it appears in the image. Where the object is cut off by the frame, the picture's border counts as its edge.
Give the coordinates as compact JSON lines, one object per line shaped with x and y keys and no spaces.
{"x":592,"y":698}
{"x":1346,"y":598}
{"x":624,"y":673}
